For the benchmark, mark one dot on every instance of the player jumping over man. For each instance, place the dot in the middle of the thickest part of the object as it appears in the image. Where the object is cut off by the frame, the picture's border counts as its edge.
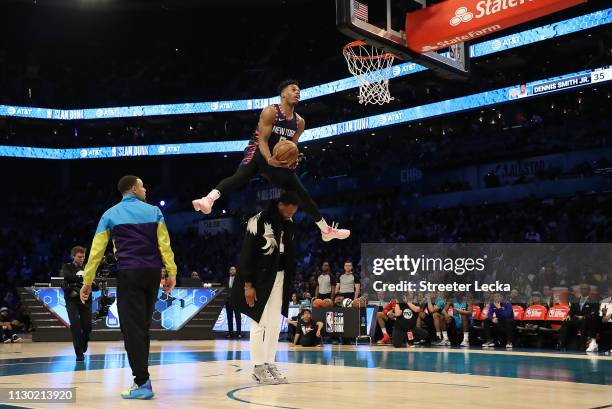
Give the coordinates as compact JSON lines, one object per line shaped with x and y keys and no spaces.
{"x":276,"y":123}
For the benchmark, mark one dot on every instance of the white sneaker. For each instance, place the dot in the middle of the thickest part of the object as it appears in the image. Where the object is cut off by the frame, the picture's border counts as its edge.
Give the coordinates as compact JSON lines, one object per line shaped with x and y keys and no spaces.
{"x":262,"y":375}
{"x":445,"y":343}
{"x":203,"y":205}
{"x":333,"y":232}
{"x":488,"y":344}
{"x":278,"y":375}
{"x":465,"y":344}
{"x":592,"y":346}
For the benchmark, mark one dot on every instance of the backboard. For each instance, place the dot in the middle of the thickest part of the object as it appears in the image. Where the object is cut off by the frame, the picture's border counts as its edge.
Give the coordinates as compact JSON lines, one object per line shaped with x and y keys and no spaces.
{"x":382,"y":23}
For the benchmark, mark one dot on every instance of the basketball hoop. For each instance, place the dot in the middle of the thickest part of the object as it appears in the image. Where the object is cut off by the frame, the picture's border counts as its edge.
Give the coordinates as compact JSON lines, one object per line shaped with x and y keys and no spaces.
{"x":372,"y":68}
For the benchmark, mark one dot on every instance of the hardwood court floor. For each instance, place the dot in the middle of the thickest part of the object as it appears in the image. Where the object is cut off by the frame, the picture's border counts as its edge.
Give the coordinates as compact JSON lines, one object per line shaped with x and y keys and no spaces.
{"x":217,"y":374}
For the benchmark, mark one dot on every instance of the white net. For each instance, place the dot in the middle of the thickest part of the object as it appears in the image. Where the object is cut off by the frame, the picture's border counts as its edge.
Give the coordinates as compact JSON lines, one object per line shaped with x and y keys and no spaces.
{"x":372,"y":68}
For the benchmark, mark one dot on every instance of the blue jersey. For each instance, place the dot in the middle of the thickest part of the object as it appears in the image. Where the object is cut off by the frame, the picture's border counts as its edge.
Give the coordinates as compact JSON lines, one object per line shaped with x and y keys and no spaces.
{"x":283,"y":128}
{"x":462,"y":306}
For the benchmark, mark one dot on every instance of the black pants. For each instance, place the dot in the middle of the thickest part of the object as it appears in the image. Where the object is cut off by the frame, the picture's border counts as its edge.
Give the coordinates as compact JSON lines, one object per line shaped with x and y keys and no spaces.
{"x":231,"y":314}
{"x":310,"y":339}
{"x":605,"y":336}
{"x":347,"y":295}
{"x":280,"y":177}
{"x":505,"y":327}
{"x":136,"y":295}
{"x":79,"y":315}
{"x":570,"y":329}
{"x":7,"y":334}
{"x":400,"y":336}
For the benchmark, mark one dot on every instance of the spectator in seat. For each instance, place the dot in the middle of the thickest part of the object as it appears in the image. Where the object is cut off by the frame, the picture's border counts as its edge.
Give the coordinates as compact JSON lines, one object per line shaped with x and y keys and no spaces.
{"x":438,"y":311}
{"x":499,"y":320}
{"x":582,"y":317}
{"x":536,"y":299}
{"x":516,"y":298}
{"x":385,"y":317}
{"x":461,"y":318}
{"x":548,"y":299}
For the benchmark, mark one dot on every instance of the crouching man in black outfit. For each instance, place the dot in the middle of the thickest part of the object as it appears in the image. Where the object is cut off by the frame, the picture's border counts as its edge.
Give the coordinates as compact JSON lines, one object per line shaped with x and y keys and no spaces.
{"x":405,"y":330}
{"x":308,"y":333}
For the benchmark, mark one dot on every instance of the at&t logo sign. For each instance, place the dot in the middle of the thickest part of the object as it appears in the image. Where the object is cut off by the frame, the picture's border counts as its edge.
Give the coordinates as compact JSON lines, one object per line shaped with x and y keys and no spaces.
{"x":462,"y":15}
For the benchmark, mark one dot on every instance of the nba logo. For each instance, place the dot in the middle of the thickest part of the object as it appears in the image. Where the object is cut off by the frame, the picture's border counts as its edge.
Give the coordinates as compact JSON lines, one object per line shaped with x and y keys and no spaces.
{"x":112,"y":319}
{"x":329,"y":321}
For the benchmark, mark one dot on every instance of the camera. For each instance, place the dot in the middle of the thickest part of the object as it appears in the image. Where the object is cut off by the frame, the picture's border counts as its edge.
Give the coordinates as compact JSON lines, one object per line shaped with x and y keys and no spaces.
{"x":107,"y":267}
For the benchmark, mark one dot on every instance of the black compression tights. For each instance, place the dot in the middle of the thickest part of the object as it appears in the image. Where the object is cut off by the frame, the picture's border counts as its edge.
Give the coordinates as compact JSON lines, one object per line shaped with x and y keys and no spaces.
{"x":279,"y":177}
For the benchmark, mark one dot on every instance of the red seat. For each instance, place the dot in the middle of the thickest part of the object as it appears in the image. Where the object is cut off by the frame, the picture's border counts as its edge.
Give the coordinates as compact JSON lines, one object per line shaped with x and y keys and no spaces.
{"x":518,"y":312}
{"x":535,"y":313}
{"x":557,"y":314}
{"x":476,"y":312}
{"x":484,"y":314}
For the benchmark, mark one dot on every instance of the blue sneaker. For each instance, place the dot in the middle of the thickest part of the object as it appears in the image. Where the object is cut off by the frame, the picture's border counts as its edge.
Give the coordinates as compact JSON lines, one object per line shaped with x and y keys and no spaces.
{"x":139,"y":392}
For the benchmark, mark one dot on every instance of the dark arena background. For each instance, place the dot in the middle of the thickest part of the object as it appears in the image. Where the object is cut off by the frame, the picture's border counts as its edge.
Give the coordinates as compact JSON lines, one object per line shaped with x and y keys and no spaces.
{"x":495,"y":150}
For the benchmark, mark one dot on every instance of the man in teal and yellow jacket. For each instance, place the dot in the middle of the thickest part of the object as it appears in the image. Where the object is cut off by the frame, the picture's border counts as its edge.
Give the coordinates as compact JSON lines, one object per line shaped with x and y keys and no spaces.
{"x":141,"y":244}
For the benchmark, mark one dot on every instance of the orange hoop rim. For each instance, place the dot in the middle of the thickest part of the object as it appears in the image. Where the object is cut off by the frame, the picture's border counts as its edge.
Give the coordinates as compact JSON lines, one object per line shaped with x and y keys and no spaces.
{"x":358,"y":43}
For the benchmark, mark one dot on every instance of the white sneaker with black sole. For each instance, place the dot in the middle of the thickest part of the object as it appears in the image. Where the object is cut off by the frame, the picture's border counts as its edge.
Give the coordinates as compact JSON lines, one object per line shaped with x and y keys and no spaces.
{"x":262,"y":375}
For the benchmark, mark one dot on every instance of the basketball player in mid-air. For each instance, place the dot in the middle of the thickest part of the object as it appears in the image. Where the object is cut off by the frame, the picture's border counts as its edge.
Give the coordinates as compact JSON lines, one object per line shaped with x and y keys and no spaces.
{"x":276,"y":123}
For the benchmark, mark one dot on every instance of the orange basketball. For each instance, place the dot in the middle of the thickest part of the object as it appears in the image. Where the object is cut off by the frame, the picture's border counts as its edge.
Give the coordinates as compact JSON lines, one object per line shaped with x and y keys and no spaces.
{"x":286,"y":150}
{"x":328,"y":303}
{"x":318,"y":303}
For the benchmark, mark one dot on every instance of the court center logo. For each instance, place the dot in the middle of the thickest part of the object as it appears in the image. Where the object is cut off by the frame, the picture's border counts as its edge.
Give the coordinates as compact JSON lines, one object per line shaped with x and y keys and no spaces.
{"x":462,"y":15}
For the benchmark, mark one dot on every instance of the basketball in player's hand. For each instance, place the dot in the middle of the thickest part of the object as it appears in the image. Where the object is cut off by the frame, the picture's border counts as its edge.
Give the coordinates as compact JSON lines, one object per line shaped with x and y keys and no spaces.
{"x":286,"y":150}
{"x":317,"y":303}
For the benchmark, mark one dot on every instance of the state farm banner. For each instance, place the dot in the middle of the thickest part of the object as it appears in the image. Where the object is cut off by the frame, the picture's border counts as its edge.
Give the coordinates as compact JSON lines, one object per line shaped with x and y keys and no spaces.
{"x":456,"y":21}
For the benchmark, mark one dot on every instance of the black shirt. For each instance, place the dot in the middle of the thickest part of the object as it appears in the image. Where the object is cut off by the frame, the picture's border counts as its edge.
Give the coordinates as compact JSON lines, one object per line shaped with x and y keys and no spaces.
{"x":306,"y":327}
{"x":73,"y":280}
{"x":408,"y":319}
